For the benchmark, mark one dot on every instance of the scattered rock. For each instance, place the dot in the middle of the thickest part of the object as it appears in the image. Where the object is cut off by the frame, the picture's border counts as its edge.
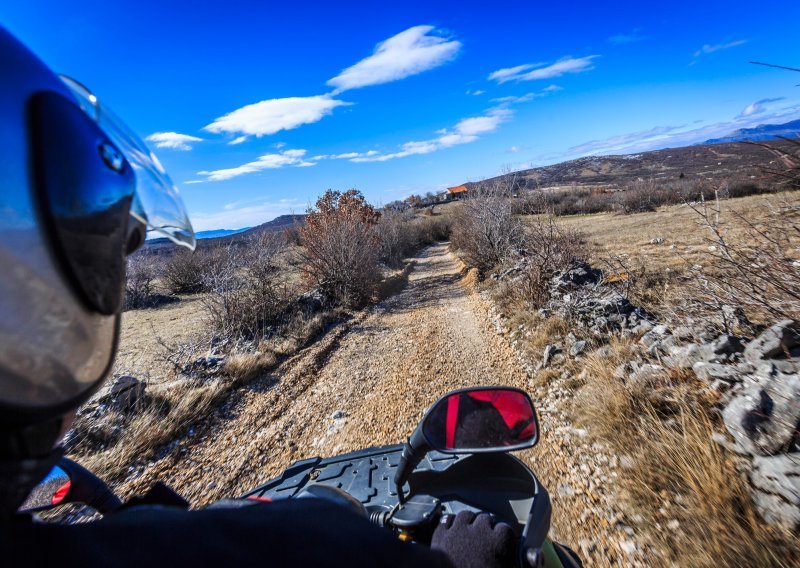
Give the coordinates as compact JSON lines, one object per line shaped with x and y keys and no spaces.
{"x":123,"y":394}
{"x":727,"y":345}
{"x":565,"y":490}
{"x":764,"y":416}
{"x":657,"y":241}
{"x":549,"y":351}
{"x":713,"y":371}
{"x":776,"y":489}
{"x":577,"y":348}
{"x":580,"y":274}
{"x":778,"y":343}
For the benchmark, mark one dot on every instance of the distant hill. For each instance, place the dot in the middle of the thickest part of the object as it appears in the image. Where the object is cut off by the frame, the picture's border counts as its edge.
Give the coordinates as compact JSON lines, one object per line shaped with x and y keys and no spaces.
{"x":706,"y":161}
{"x":207,"y":239}
{"x":761,"y":132}
{"x":219,"y":233}
{"x":277,"y":224}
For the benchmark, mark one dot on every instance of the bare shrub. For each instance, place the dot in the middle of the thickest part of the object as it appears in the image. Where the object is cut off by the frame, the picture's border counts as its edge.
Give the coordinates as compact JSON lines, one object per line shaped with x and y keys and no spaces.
{"x":247,"y":292}
{"x":396,"y":240}
{"x":548,"y":249}
{"x":485,"y":231}
{"x":184,"y":271}
{"x":758,"y":270}
{"x":340,"y":247}
{"x":140,"y":276}
{"x":402,"y":233}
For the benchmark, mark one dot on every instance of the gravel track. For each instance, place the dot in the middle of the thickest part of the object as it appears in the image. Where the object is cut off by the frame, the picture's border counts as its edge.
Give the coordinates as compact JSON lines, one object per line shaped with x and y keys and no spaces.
{"x":381,"y":369}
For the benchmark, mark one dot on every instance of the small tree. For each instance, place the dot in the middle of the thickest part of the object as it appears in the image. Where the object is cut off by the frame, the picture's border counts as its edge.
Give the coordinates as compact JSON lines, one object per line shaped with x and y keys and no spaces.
{"x":340,"y":247}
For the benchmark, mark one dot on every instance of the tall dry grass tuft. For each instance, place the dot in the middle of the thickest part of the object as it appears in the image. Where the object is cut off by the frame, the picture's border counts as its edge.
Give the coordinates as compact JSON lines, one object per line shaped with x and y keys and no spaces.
{"x":678,"y":478}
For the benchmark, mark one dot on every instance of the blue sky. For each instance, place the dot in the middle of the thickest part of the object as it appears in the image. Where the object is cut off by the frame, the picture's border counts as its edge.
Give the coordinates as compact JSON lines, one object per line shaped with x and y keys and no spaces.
{"x":257,"y":107}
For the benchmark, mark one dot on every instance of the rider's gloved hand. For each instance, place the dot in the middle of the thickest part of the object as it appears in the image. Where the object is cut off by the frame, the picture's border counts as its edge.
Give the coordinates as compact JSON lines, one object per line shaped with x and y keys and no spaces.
{"x":469,"y":540}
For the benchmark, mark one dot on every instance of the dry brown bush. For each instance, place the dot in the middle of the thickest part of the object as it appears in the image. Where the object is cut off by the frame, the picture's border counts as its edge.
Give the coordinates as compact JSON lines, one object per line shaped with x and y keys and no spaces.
{"x":340,"y":247}
{"x":678,"y":472}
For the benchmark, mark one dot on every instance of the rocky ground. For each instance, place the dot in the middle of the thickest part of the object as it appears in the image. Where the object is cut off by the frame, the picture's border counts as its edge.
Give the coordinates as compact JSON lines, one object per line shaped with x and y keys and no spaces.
{"x":368,"y":381}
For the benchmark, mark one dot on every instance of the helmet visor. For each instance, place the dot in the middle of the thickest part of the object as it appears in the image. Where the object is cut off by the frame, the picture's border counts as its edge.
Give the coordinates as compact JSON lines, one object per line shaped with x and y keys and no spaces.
{"x":157,"y":203}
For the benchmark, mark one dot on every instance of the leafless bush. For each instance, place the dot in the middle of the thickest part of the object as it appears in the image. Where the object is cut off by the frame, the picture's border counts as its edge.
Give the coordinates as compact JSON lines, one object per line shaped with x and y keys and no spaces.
{"x":549,"y":249}
{"x":340,"y":247}
{"x":184,"y":272}
{"x":759,"y":270}
{"x":402,"y":233}
{"x":396,"y":240}
{"x":485,"y":231}
{"x":140,"y":282}
{"x":246,"y":291}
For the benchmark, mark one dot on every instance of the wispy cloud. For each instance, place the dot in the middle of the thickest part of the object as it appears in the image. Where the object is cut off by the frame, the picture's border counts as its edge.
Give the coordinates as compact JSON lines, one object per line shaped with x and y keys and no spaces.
{"x":465,"y":131}
{"x":265,"y":162}
{"x":758,"y":107}
{"x":622,"y":141}
{"x":476,"y":93}
{"x":240,"y":214}
{"x":632,"y":37}
{"x":173,"y":140}
{"x":273,"y":115}
{"x":549,"y":90}
{"x":535,"y":71}
{"x":408,"y":53}
{"x":676,"y":136}
{"x":711,"y":48}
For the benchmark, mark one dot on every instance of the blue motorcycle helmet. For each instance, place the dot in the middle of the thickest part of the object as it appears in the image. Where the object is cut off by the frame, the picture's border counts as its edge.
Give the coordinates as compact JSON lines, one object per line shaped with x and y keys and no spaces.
{"x":78,"y":191}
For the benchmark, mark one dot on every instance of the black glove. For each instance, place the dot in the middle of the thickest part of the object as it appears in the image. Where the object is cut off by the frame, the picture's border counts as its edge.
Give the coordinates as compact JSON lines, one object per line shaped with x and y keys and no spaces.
{"x":469,"y":540}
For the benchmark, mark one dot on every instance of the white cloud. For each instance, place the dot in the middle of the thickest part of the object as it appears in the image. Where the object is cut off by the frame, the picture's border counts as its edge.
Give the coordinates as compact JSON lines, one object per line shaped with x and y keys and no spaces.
{"x":241,"y":214}
{"x":528,"y":96}
{"x":476,"y":93}
{"x":707,"y":48}
{"x":677,"y":136}
{"x":514,"y":150}
{"x":631,"y":37}
{"x":535,"y":71}
{"x":465,"y":131}
{"x":237,"y":140}
{"x":265,"y":162}
{"x":173,"y":140}
{"x":758,"y":107}
{"x":408,"y":53}
{"x":273,"y":115}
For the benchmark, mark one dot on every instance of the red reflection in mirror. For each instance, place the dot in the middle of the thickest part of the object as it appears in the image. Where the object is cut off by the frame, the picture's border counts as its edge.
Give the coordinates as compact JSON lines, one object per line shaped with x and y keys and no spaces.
{"x":481,"y":419}
{"x":61,"y":492}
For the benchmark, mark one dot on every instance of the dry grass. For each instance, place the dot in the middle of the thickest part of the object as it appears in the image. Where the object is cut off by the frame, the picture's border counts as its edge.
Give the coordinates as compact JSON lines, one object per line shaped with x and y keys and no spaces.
{"x":679,"y":477}
{"x":623,"y":243}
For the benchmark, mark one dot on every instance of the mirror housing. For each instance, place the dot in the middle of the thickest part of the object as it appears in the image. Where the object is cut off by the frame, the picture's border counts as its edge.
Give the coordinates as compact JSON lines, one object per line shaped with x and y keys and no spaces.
{"x":472,"y":420}
{"x":69,"y":482}
{"x":479,"y":420}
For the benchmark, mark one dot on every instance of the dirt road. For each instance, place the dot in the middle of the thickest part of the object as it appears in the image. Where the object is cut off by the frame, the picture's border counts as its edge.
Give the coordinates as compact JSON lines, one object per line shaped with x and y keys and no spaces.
{"x":367,"y":382}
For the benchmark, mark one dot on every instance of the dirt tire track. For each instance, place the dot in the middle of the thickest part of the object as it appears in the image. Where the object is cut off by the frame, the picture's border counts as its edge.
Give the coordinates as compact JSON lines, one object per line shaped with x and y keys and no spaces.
{"x":381,"y":369}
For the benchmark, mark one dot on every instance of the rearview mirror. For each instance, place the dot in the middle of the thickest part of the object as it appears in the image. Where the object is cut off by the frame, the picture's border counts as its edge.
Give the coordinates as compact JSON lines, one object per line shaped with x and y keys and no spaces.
{"x":52,"y":491}
{"x":486,"y":419}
